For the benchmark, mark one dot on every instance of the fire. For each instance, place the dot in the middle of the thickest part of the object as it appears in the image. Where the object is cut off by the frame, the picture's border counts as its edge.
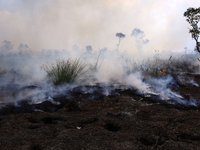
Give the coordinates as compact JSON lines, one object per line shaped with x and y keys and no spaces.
{"x":162,"y":71}
{"x":183,"y":82}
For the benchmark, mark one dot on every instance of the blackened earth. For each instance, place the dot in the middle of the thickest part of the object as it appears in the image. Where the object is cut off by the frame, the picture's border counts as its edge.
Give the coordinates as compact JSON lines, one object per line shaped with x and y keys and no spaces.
{"x":124,"y":120}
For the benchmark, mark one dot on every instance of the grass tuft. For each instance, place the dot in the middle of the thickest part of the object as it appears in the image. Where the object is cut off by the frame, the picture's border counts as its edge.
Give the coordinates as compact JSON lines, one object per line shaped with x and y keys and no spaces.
{"x":64,"y":71}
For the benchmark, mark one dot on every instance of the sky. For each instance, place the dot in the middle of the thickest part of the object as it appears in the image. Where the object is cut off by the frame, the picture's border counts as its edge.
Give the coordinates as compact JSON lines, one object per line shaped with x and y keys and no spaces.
{"x":59,"y":24}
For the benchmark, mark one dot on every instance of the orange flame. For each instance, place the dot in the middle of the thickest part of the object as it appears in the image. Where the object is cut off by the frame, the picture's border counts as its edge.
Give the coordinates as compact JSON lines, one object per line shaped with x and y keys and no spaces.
{"x":162,"y":71}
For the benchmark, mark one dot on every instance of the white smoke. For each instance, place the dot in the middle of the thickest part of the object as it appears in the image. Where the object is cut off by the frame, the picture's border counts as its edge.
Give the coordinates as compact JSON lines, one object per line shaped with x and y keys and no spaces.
{"x":37,"y":32}
{"x":24,"y":69}
{"x":60,"y":24}
{"x":135,"y":80}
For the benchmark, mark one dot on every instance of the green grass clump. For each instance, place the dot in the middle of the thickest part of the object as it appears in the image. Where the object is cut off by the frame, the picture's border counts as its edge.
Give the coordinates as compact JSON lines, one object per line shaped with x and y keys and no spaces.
{"x":64,"y":71}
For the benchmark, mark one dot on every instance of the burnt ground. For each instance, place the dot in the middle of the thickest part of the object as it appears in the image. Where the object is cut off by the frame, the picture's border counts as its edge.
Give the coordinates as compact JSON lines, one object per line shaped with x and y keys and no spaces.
{"x":126,"y":121}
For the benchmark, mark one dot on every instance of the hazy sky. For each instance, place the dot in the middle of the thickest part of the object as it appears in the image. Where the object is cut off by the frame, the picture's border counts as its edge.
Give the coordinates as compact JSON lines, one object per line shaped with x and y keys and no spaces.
{"x":59,"y":24}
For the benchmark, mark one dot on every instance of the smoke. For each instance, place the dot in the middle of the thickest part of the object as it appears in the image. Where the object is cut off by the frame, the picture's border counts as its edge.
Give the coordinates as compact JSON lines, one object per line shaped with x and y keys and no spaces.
{"x":135,"y":80}
{"x":25,"y":79}
{"x":37,"y":32}
{"x":61,"y":24}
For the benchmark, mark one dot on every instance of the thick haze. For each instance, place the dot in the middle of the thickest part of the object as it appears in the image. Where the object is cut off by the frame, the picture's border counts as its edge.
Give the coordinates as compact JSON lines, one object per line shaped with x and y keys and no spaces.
{"x":59,"y":24}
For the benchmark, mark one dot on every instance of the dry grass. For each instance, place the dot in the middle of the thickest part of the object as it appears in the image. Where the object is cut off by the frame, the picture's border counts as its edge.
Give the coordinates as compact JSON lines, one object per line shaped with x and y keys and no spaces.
{"x":156,"y":67}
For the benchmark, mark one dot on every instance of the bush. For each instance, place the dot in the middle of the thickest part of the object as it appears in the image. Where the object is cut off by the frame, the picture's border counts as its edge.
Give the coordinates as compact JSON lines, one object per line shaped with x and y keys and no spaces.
{"x":64,"y":71}
{"x":3,"y":71}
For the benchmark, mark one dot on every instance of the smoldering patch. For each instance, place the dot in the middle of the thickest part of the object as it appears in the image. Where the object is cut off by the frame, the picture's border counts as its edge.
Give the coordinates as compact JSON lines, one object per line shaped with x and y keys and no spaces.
{"x":24,"y":83}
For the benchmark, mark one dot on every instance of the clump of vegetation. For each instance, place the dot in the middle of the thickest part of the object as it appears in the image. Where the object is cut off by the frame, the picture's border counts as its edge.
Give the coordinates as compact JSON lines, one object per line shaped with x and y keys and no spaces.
{"x":64,"y":71}
{"x":3,"y":71}
{"x":172,"y":66}
{"x":156,"y":67}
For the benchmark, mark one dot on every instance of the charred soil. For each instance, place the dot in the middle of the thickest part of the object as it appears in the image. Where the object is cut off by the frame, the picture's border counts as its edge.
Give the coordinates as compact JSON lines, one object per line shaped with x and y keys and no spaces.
{"x":124,"y":121}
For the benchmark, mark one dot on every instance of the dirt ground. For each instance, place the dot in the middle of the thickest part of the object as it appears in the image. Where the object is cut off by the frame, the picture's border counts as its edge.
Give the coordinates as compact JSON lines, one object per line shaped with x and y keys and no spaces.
{"x":124,"y":122}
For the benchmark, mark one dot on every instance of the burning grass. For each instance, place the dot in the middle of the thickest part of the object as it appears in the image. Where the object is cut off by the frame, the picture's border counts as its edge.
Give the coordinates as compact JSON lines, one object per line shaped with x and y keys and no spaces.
{"x":152,"y":76}
{"x":157,"y":67}
{"x":64,"y":71}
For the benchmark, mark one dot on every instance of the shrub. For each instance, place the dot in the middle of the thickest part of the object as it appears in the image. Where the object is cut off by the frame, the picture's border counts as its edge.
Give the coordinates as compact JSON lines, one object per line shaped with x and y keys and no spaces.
{"x":3,"y":71}
{"x":64,"y":71}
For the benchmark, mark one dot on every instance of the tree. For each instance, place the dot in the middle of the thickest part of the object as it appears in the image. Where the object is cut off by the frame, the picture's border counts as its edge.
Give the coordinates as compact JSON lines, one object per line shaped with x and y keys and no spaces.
{"x":7,"y":46}
{"x":89,"y":49}
{"x":139,"y":38}
{"x":120,"y":36}
{"x":193,"y":18}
